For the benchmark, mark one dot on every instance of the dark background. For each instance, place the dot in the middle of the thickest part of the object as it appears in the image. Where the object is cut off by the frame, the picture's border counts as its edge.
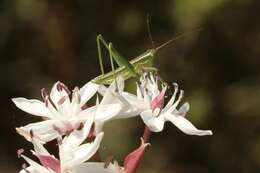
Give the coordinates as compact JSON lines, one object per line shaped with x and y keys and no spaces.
{"x":43,"y":41}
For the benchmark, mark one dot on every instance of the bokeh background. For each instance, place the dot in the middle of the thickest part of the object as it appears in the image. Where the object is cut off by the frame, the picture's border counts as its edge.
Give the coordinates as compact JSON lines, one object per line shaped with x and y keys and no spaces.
{"x":44,"y":41}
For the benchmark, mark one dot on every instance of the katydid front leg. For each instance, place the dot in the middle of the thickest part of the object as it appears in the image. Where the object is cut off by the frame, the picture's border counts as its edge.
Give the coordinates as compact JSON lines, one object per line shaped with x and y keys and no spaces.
{"x":120,"y":60}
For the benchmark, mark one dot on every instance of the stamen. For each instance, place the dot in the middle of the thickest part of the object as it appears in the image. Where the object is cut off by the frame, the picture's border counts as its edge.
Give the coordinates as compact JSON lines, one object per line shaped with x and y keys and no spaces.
{"x":46,"y":102}
{"x":52,"y":103}
{"x":181,"y":95}
{"x":44,"y":93}
{"x":91,"y":136}
{"x":62,"y":100}
{"x":31,"y":134}
{"x":80,"y":126}
{"x":24,"y":166}
{"x":20,"y":152}
{"x":61,"y":86}
{"x":177,"y":101}
{"x":157,"y":78}
{"x":140,"y":89}
{"x":45,"y":118}
{"x":45,"y":96}
{"x":85,"y":106}
{"x":175,"y":85}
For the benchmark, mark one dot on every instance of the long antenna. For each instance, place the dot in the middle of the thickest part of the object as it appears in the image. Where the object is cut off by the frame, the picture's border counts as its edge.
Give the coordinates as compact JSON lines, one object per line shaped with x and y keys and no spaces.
{"x":148,"y":19}
{"x":177,"y":37}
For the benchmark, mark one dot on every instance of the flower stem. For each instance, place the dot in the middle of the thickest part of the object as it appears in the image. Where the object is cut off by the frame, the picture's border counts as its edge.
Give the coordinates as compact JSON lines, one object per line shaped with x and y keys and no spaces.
{"x":147,"y":134}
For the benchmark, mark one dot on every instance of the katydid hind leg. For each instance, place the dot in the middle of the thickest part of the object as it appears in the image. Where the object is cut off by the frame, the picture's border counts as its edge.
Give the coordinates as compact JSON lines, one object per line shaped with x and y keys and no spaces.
{"x":100,"y":54}
{"x":120,"y":60}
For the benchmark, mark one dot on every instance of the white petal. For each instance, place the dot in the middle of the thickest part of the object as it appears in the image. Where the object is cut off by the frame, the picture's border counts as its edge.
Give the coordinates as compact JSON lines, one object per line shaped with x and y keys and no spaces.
{"x":76,"y":137}
{"x":86,"y":114}
{"x":133,"y":106}
{"x":29,"y":169}
{"x":155,"y":124}
{"x":185,"y":126}
{"x":110,"y":95}
{"x":39,"y":149}
{"x":106,"y":112}
{"x":37,"y":167}
{"x":131,"y":98}
{"x":102,"y":90}
{"x":83,"y":153}
{"x":97,"y":167}
{"x":87,"y":91}
{"x":42,"y":131}
{"x":57,"y":95}
{"x":34,"y":107}
{"x":184,"y":109}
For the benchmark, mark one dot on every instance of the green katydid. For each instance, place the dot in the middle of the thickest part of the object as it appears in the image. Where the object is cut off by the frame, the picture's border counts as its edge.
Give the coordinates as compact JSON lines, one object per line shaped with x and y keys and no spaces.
{"x":132,"y":68}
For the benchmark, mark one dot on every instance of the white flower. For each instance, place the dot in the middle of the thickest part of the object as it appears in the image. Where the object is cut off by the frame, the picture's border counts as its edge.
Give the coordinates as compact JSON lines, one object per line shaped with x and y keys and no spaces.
{"x":157,"y":114}
{"x":61,"y":114}
{"x":72,"y":153}
{"x":149,"y":103}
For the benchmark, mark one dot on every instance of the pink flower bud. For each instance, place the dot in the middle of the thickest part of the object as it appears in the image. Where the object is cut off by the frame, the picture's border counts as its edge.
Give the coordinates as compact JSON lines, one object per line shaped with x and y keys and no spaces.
{"x":133,"y":159}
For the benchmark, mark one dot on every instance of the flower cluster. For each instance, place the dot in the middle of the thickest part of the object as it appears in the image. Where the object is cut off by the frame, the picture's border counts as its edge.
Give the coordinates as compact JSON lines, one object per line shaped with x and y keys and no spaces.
{"x":78,"y":126}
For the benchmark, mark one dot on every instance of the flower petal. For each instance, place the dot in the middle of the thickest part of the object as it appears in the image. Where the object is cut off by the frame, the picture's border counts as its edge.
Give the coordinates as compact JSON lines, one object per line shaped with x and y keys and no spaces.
{"x":132,"y":105}
{"x":184,"y":109}
{"x":39,"y":149}
{"x":107,"y":112}
{"x":186,"y":126}
{"x":32,"y":106}
{"x":87,"y":91}
{"x":60,"y":96}
{"x":155,"y":124}
{"x":29,"y":169}
{"x":102,"y":90}
{"x":97,"y":167}
{"x":37,"y":167}
{"x":79,"y":155}
{"x":116,"y":87}
{"x":41,"y":131}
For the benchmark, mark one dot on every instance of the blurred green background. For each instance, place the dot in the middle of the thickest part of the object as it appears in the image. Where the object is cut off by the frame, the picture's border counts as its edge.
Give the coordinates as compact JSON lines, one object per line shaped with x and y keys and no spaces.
{"x":44,"y":41}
